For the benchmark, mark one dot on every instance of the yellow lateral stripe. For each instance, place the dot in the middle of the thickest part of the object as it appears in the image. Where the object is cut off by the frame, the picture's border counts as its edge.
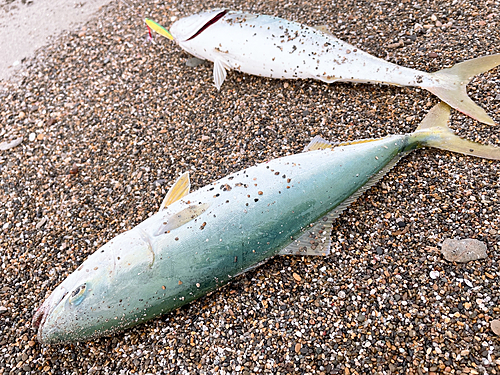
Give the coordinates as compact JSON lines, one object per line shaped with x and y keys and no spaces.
{"x":159,"y":29}
{"x":356,"y":142}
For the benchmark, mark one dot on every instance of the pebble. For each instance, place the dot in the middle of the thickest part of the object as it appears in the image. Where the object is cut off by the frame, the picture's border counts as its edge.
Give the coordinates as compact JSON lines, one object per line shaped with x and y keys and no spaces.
{"x":463,"y":251}
{"x":11,"y":144}
{"x":194,"y":61}
{"x":495,"y":326}
{"x":130,"y":114}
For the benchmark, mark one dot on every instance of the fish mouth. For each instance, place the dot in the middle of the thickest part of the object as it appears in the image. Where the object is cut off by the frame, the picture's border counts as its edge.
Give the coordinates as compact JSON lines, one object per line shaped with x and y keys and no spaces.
{"x":44,"y":311}
{"x":217,"y":17}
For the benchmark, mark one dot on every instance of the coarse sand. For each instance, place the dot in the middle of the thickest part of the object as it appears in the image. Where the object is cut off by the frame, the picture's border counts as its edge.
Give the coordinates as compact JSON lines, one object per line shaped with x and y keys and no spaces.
{"x":109,"y":120}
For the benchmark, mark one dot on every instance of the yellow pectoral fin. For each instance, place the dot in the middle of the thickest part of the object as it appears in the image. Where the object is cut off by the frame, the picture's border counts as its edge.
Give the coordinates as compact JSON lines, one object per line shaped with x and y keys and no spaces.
{"x":177,"y":191}
{"x":159,"y":29}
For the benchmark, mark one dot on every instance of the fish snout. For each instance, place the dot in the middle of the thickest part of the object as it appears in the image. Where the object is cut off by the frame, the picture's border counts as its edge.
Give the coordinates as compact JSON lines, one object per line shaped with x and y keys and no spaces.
{"x":41,"y":314}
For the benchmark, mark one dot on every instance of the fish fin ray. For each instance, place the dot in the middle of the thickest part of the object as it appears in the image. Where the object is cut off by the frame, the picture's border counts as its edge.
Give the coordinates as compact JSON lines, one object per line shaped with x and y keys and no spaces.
{"x":318,"y":143}
{"x":433,"y":131}
{"x":220,"y":73}
{"x":179,"y":189}
{"x":369,"y":184}
{"x":455,"y":79}
{"x":316,"y":239}
{"x":182,"y":217}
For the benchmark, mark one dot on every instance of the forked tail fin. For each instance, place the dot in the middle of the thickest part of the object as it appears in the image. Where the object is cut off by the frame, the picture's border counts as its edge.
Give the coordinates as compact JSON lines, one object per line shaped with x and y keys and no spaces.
{"x":452,"y":83}
{"x":433,"y":131}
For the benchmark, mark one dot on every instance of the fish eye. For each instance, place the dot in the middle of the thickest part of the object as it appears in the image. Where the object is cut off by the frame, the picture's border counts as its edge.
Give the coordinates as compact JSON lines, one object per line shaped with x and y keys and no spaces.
{"x":77,"y":295}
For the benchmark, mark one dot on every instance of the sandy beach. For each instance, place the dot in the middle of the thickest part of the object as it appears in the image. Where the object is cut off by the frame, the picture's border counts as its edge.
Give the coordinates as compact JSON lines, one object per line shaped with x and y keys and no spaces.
{"x":27,"y":25}
{"x":106,"y":121}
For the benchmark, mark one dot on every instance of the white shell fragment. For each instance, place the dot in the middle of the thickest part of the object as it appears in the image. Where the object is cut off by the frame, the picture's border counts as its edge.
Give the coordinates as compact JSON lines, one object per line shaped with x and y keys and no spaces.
{"x":463,"y":251}
{"x":434,"y":275}
{"x":8,"y":145}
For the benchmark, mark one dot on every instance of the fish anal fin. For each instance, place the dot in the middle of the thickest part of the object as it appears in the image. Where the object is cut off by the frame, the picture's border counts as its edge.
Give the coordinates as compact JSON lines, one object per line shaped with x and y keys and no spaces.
{"x":315,"y":240}
{"x":220,"y":73}
{"x":177,"y":191}
{"x":318,"y":143}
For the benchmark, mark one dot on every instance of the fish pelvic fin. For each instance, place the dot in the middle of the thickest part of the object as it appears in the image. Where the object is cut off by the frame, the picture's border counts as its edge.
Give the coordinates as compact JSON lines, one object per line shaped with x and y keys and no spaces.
{"x":177,"y":191}
{"x":452,"y":82}
{"x":433,"y":131}
{"x":220,"y":73}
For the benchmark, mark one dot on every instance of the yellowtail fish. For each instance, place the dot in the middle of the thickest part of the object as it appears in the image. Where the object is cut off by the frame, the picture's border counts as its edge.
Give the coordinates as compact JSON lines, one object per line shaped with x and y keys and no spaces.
{"x":199,"y":241}
{"x":272,"y":47}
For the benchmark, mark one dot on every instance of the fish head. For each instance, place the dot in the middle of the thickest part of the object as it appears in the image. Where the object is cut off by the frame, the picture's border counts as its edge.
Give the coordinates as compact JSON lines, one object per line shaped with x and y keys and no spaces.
{"x":189,"y":27}
{"x":102,"y":295}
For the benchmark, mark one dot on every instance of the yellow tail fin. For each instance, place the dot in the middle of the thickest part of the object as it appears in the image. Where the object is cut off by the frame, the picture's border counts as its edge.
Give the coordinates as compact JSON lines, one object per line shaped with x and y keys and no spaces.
{"x":433,"y":131}
{"x":452,"y":83}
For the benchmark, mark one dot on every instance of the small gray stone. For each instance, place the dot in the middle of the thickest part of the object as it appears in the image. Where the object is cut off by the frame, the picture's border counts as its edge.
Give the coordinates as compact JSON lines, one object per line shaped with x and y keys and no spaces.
{"x":194,"y":61}
{"x":463,"y":251}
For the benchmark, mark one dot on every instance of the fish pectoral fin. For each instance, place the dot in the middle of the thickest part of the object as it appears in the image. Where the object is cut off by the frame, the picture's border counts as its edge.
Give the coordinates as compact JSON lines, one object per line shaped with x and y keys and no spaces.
{"x":323,"y":29}
{"x":182,"y":217}
{"x":177,"y":191}
{"x":220,"y":73}
{"x":318,"y":143}
{"x":315,"y":240}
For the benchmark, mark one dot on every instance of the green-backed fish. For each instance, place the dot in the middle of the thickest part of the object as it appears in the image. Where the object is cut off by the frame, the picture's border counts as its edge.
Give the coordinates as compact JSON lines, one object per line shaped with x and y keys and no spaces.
{"x":198,"y":241}
{"x":273,"y":47}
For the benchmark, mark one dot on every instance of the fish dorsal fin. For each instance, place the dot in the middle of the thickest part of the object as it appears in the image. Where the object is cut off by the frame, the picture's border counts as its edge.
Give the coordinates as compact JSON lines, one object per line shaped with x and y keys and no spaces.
{"x":318,"y":143}
{"x":357,"y":142}
{"x":220,"y":73}
{"x":323,"y":29}
{"x":315,"y":240}
{"x":177,"y":191}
